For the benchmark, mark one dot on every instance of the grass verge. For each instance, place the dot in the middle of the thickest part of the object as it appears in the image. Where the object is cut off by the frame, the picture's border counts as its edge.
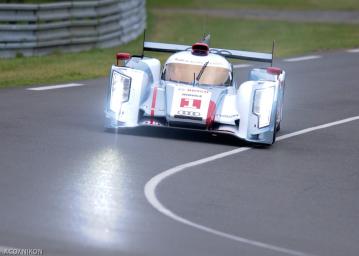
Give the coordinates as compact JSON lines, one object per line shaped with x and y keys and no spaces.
{"x":58,"y":68}
{"x":291,"y":39}
{"x":344,"y":5}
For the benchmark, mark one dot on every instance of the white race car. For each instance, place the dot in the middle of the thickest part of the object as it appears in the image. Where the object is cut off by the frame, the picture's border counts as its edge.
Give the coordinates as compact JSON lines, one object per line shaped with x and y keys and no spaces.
{"x":195,"y":89}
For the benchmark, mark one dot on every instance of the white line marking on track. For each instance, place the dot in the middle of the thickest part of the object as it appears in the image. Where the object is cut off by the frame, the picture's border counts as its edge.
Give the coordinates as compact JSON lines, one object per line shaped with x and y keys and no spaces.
{"x":152,"y":184}
{"x":241,"y":65}
{"x":319,"y":127}
{"x":353,"y":50}
{"x":53,"y":87}
{"x":311,"y":57}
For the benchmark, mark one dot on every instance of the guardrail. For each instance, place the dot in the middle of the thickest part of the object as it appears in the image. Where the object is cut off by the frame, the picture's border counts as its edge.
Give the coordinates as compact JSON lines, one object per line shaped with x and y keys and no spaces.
{"x":39,"y":29}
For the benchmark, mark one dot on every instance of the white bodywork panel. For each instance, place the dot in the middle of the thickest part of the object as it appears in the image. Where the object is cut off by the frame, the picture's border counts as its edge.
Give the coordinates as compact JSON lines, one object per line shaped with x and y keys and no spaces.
{"x":227,"y":113}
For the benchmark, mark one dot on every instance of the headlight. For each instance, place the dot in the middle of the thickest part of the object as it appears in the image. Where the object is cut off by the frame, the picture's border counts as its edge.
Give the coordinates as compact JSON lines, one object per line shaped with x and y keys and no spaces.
{"x":120,"y":91}
{"x":262,"y":107}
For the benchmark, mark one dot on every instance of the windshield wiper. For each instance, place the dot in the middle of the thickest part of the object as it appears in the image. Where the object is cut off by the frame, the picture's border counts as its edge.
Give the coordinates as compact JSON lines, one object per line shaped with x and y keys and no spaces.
{"x":201,"y":72}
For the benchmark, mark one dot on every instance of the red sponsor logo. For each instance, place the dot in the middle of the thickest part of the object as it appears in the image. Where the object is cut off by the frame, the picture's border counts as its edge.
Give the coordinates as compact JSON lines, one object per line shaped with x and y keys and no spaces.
{"x":190,"y":103}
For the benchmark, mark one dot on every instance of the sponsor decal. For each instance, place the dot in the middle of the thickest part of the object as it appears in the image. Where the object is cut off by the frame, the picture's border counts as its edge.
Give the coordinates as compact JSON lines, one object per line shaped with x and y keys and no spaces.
{"x":201,"y":91}
{"x":195,"y":61}
{"x":192,"y":95}
{"x":227,"y":116}
{"x":188,"y":113}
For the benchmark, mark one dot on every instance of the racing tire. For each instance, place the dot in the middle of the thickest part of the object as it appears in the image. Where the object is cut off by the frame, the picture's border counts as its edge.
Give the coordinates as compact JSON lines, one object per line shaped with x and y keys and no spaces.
{"x":274,"y":136}
{"x":278,"y":127}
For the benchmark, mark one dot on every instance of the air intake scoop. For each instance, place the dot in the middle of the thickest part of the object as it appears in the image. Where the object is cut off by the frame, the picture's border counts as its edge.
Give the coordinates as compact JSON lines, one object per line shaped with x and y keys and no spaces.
{"x":200,"y":49}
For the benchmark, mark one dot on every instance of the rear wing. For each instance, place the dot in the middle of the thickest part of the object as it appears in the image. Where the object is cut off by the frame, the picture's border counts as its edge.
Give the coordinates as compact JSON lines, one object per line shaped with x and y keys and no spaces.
{"x":233,"y":54}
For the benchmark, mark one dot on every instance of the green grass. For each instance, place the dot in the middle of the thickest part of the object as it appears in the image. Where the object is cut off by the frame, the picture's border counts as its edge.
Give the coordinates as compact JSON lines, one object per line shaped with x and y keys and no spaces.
{"x":291,"y":39}
{"x":260,"y":4}
{"x":28,"y":1}
{"x":58,"y":68}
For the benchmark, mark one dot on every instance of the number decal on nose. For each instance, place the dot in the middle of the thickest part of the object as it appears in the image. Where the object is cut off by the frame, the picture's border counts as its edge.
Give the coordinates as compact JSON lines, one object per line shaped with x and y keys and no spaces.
{"x":190,"y":103}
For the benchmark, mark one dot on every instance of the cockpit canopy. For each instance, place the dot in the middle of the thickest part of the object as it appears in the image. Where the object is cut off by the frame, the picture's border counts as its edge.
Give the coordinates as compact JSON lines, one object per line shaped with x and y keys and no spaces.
{"x":184,"y":67}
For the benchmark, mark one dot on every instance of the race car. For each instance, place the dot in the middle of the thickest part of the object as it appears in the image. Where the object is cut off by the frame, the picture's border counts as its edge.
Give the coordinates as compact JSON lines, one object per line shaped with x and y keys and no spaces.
{"x":196,"y":89}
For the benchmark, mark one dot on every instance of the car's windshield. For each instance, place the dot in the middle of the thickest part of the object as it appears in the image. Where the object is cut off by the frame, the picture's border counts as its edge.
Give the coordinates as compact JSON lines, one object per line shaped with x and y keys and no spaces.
{"x":186,"y":73}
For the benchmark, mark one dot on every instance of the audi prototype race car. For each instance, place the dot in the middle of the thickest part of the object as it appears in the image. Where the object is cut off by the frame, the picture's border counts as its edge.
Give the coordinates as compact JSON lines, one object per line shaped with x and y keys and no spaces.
{"x":195,"y":89}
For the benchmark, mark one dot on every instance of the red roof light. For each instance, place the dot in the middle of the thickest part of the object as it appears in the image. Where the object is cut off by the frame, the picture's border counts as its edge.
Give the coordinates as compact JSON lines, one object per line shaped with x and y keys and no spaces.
{"x":123,"y":56}
{"x":274,"y":71}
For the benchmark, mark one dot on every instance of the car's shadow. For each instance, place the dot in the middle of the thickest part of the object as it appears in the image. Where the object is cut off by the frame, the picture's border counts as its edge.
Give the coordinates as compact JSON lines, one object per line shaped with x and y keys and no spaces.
{"x":187,"y":135}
